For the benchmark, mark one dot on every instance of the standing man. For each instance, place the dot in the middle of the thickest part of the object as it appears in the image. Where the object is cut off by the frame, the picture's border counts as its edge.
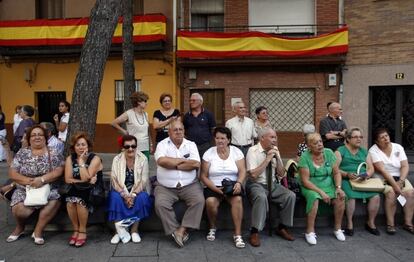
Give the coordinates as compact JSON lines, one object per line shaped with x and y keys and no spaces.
{"x":242,"y":128}
{"x":199,"y":124}
{"x":332,"y":128}
{"x":258,"y":158}
{"x":177,"y":163}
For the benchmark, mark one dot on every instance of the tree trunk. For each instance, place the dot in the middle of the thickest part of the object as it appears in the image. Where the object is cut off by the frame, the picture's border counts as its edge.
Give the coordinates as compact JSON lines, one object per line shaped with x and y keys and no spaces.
{"x":103,"y":20}
{"x":128,"y":52}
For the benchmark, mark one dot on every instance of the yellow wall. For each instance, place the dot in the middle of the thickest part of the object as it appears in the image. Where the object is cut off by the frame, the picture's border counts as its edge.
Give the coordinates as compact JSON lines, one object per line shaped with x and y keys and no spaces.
{"x":61,"y":77}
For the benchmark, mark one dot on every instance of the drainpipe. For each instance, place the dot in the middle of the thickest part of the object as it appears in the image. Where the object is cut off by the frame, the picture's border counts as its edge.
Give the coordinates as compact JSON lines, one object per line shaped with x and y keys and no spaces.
{"x":341,"y":20}
{"x":174,"y":49}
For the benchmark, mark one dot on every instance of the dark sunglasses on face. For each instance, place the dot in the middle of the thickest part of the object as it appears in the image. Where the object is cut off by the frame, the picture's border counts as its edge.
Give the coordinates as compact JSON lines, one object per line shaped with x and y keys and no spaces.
{"x":129,"y":146}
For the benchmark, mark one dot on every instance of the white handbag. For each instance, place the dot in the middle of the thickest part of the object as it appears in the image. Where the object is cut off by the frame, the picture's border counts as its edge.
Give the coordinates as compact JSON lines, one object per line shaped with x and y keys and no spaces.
{"x":37,"y":196}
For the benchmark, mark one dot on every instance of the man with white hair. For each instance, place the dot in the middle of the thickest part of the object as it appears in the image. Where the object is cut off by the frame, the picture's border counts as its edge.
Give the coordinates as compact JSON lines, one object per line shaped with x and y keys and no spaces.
{"x":242,"y":128}
{"x":199,"y":124}
{"x":332,"y":128}
{"x":266,"y":153}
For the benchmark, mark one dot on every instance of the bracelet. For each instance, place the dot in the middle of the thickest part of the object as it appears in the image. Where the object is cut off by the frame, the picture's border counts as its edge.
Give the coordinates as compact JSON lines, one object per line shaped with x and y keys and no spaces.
{"x":338,"y":187}
{"x":239,"y":183}
{"x":42,"y":179}
{"x":82,"y":165}
{"x":134,"y":194}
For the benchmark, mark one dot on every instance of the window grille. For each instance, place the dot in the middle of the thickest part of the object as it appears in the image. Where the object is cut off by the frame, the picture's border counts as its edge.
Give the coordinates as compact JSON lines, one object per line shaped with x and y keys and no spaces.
{"x":120,"y":97}
{"x":289,"y":109}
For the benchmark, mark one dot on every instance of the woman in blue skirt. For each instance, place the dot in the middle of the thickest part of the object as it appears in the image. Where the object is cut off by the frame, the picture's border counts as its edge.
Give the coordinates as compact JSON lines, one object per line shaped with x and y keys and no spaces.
{"x":129,"y":198}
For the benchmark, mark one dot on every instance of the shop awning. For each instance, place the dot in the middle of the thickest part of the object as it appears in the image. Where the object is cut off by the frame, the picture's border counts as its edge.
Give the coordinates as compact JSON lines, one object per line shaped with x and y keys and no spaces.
{"x":204,"y":45}
{"x":67,"y":32}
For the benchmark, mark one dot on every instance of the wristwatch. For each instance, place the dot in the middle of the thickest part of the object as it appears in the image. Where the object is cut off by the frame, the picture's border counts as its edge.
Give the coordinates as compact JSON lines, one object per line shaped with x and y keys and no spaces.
{"x":83,"y":165}
{"x":42,"y":179}
{"x":338,"y":187}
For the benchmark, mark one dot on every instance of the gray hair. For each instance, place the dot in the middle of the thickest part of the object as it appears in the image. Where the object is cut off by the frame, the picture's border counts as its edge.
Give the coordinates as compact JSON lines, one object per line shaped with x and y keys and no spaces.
{"x":308,"y":128}
{"x":348,"y":133}
{"x":198,"y":96}
{"x":263,"y":131}
{"x":49,"y":127}
{"x":236,"y":104}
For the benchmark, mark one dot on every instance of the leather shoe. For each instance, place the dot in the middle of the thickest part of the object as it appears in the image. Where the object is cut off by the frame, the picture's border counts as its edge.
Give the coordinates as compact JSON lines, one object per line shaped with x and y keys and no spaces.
{"x":254,"y":239}
{"x":349,"y":232}
{"x":371,"y":230}
{"x":284,"y":234}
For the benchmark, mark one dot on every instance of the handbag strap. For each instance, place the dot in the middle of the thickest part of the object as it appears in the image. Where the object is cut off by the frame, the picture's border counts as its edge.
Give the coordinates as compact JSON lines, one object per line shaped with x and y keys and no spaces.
{"x":360,"y":166}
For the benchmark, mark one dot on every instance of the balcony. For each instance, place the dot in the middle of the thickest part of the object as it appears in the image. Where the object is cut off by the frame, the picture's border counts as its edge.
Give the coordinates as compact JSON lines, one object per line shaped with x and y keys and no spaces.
{"x":277,"y":44}
{"x":64,"y":37}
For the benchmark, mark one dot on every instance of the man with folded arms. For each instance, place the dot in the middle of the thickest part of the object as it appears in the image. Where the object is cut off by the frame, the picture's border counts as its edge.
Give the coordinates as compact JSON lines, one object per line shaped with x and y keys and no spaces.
{"x":242,"y":128}
{"x":258,"y":158}
{"x":332,"y":128}
{"x":177,"y":163}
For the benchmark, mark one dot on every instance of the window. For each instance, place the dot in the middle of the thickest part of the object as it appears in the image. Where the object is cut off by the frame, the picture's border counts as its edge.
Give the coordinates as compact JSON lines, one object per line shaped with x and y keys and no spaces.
{"x":282,"y":16}
{"x":49,"y":9}
{"x":207,"y":15}
{"x":119,"y":95}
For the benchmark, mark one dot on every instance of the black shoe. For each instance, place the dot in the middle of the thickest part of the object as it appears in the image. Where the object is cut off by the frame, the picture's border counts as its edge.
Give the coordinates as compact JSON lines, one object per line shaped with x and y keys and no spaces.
{"x":371,"y":230}
{"x":349,"y":231}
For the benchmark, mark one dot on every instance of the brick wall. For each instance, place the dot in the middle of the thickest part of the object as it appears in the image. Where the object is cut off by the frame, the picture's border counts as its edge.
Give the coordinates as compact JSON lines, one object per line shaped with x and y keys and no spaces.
{"x":237,"y":82}
{"x":326,"y":14}
{"x":236,"y":14}
{"x":380,"y":32}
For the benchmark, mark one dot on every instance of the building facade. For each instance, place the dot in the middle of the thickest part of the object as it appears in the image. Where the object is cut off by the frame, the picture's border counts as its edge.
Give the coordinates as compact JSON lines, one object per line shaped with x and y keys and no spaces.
{"x":42,"y":74}
{"x":379,"y":73}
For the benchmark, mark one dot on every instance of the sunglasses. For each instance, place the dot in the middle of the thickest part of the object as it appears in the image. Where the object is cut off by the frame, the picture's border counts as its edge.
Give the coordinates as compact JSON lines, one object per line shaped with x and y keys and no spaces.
{"x":129,"y":146}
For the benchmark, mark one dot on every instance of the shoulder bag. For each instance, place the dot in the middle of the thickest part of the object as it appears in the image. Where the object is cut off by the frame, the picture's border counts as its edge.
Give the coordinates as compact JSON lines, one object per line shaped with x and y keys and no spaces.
{"x":367,"y":185}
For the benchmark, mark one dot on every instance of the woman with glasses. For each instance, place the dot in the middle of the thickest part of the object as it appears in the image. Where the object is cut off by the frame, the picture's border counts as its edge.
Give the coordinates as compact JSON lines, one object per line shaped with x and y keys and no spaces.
{"x":36,"y":166}
{"x":137,"y":123}
{"x":163,"y":117}
{"x":390,"y":161}
{"x":130,"y":194}
{"x":82,"y":170}
{"x":350,"y":156}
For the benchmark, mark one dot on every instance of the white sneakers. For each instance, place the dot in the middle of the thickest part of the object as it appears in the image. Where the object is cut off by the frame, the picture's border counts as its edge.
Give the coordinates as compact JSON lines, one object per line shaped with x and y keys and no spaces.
{"x":339,"y":234}
{"x":115,"y":239}
{"x":311,"y":237}
{"x":135,"y":237}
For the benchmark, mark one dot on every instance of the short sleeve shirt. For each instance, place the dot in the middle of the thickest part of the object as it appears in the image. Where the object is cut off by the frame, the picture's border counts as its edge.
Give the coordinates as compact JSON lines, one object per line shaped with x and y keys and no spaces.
{"x":219,"y":168}
{"x":242,"y":130}
{"x":255,"y":156}
{"x":392,"y":163}
{"x":64,"y":119}
{"x":198,"y":128}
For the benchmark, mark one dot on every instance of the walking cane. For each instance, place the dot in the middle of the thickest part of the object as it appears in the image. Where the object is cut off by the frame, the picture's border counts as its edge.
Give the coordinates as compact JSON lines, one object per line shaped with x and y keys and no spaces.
{"x":269,"y":196}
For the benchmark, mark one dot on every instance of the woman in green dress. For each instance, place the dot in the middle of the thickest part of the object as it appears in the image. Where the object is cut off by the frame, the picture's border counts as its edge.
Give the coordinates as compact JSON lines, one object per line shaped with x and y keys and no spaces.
{"x":320,"y":180}
{"x":350,"y":156}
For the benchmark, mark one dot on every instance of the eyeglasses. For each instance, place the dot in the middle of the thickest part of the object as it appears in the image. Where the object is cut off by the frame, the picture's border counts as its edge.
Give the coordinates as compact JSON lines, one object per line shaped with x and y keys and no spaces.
{"x":166,"y":101}
{"x":360,"y":137}
{"x":129,"y":146}
{"x":35,"y":135}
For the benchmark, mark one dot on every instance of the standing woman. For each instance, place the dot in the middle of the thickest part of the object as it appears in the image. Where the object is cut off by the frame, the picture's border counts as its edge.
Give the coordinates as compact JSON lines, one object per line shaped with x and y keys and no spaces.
{"x":390,"y":161}
{"x":82,"y":169}
{"x":3,"y":133}
{"x":62,"y":123}
{"x":130,"y":194}
{"x":26,"y":114}
{"x":262,"y":120}
{"x":163,"y":117}
{"x":136,"y":123}
{"x":17,"y":118}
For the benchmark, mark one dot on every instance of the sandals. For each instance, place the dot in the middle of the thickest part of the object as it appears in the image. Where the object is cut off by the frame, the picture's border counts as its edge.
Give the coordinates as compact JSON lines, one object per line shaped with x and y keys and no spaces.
{"x":38,"y":240}
{"x":13,"y":238}
{"x":72,"y":239}
{"x":238,"y":241}
{"x":409,"y":228}
{"x":391,"y":230}
{"x":80,"y":242}
{"x":211,"y":236}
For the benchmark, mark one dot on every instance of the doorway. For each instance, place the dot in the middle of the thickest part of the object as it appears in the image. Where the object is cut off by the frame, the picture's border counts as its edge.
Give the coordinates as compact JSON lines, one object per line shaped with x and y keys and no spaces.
{"x":47,"y":104}
{"x":213,"y":100}
{"x":392,"y":107}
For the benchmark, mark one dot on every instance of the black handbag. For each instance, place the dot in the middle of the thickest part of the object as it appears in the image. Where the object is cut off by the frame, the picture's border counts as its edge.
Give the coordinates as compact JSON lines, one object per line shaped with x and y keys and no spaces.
{"x":97,"y":193}
{"x":228,"y":186}
{"x":64,"y":189}
{"x":6,"y":191}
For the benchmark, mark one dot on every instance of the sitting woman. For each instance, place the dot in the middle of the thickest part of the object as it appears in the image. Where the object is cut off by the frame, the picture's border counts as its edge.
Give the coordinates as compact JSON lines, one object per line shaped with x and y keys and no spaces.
{"x":36,"y":166}
{"x":130,"y":194}
{"x":82,"y":170}
{"x":320,"y":180}
{"x":223,"y":162}
{"x":390,"y":161}
{"x":350,"y":156}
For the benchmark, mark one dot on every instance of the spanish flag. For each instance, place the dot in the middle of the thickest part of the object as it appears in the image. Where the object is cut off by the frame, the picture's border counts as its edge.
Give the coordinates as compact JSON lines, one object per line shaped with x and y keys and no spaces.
{"x":202,"y":45}
{"x":44,"y":32}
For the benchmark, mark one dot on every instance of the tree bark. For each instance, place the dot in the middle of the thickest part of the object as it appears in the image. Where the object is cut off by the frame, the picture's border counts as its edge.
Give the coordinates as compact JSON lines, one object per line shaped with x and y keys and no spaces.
{"x":128,"y":52}
{"x":103,"y":20}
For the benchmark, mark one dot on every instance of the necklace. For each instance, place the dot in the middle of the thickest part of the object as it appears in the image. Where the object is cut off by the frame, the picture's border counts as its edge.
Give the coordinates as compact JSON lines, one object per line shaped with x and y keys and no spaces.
{"x":143,"y":118}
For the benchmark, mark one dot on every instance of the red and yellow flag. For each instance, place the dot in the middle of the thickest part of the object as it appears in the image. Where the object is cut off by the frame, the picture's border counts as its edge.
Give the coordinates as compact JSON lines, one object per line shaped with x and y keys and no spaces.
{"x":198,"y":45}
{"x":43,"y":32}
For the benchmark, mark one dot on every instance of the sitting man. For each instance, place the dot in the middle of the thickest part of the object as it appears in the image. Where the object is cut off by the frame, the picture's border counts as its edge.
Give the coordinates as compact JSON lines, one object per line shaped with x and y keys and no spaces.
{"x":258,"y":158}
{"x":177,"y":163}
